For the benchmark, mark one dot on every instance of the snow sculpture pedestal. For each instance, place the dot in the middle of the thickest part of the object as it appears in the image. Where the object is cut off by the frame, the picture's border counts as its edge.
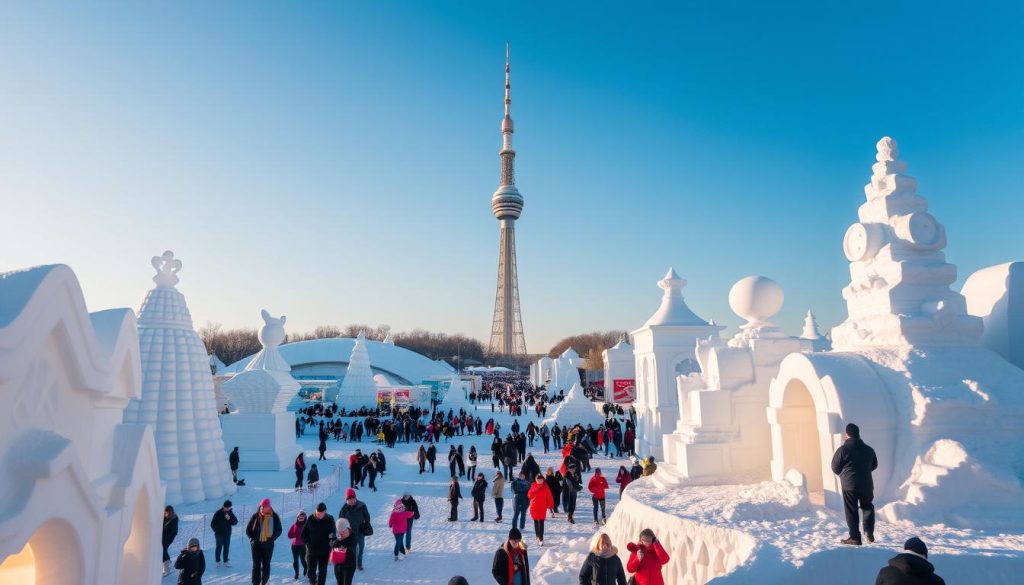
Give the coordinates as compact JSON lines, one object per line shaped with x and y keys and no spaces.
{"x":723,"y":434}
{"x":259,"y":424}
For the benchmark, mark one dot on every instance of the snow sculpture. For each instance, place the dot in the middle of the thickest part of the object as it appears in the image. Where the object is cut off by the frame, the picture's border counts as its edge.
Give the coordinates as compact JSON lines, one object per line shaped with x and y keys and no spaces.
{"x":938,"y":409}
{"x":357,"y":389}
{"x":565,"y":371}
{"x":260,"y":424}
{"x":455,"y":398}
{"x":81,"y":494}
{"x":541,"y":371}
{"x":810,"y":333}
{"x":576,"y":408}
{"x":664,"y":349}
{"x":723,"y":434}
{"x":996,"y":294}
{"x":178,"y":395}
{"x":619,"y":364}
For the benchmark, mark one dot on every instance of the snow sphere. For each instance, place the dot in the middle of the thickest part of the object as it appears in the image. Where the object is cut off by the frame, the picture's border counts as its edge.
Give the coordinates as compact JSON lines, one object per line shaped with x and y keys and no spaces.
{"x":756,"y":298}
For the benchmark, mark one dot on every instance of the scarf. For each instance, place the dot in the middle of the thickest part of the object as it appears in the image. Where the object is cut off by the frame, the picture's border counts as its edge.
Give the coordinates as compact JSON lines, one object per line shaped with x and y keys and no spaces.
{"x":266,"y":523}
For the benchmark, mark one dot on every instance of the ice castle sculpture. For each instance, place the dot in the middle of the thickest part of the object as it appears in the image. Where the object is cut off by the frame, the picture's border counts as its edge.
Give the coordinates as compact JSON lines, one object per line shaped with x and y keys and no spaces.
{"x":663,"y":349}
{"x":177,"y":394}
{"x":907,"y":368}
{"x":259,"y":423}
{"x":358,"y":388}
{"x":80,"y":492}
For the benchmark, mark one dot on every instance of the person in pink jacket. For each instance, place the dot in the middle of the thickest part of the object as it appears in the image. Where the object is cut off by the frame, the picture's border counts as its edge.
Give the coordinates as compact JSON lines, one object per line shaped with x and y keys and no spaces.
{"x":623,"y":478}
{"x":298,"y":548}
{"x":597,"y":486}
{"x":399,"y":523}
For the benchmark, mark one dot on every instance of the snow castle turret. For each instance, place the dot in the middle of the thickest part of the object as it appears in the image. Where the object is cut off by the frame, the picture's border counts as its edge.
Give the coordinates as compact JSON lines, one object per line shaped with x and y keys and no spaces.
{"x":177,"y":394}
{"x":664,"y":349}
{"x":810,"y":333}
{"x":358,"y":388}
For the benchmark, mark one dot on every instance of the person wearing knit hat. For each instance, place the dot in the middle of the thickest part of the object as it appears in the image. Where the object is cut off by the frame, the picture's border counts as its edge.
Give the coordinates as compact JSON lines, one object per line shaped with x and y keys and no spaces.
{"x":221,"y":523}
{"x":191,"y":563}
{"x":345,"y":540}
{"x":853,"y":462}
{"x":511,"y":564}
{"x":910,"y":567}
{"x":263,"y":529}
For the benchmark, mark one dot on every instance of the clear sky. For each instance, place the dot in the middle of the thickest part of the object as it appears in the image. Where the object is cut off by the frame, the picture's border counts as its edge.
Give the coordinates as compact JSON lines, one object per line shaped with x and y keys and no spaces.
{"x":334,"y":161}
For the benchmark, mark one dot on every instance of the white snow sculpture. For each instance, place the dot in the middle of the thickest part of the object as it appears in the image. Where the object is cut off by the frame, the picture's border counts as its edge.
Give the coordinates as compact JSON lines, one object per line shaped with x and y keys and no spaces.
{"x":177,"y":394}
{"x":938,"y":409}
{"x":723,"y":434}
{"x":80,"y":491}
{"x":388,"y":339}
{"x":541,"y":371}
{"x":357,"y":389}
{"x":664,"y":349}
{"x":619,"y":364}
{"x":576,"y":408}
{"x":996,"y":294}
{"x":455,"y":398}
{"x":810,"y":333}
{"x":565,"y":371}
{"x":260,"y":424}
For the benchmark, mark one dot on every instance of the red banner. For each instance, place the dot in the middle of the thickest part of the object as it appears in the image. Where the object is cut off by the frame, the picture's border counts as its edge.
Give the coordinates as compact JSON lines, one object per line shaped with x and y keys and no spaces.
{"x":625,"y":390}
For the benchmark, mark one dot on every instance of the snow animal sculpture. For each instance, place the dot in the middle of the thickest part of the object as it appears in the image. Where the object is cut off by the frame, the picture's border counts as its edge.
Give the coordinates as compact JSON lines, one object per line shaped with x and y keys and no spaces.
{"x":80,"y":491}
{"x":260,"y":423}
{"x":178,"y":398}
{"x":906,"y":367}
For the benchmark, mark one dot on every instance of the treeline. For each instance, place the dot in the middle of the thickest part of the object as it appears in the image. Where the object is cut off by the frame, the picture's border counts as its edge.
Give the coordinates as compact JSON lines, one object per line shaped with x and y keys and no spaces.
{"x":231,"y":345}
{"x":589,"y":345}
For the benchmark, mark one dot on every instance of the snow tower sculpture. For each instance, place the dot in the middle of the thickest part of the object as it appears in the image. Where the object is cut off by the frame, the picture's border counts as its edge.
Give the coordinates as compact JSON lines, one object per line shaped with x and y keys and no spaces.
{"x":938,"y":409}
{"x":619,"y":373}
{"x":260,"y":424}
{"x":177,"y":394}
{"x":358,"y":388}
{"x":80,"y":492}
{"x":664,"y":349}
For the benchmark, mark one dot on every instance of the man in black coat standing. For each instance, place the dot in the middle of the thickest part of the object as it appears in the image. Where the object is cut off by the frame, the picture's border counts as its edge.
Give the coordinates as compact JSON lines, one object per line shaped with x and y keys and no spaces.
{"x":911,"y":567}
{"x":853,"y":463}
{"x":221,"y":524}
{"x":317,"y":533}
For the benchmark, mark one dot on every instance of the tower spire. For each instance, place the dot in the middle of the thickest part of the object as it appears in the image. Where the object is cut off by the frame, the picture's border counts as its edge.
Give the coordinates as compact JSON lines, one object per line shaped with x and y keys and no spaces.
{"x":508,"y":155}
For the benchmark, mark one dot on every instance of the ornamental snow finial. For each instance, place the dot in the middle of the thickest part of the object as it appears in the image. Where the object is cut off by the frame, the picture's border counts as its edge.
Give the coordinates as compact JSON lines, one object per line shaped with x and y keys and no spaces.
{"x":887,"y":150}
{"x":167,"y":269}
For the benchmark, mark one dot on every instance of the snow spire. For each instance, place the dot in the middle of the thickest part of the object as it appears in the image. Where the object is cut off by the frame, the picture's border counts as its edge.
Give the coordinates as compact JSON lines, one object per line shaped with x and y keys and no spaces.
{"x":810,"y":327}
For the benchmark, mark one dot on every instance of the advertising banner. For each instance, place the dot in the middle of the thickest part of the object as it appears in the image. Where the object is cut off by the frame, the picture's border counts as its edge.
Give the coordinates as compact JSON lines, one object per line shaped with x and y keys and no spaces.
{"x":625,"y":391}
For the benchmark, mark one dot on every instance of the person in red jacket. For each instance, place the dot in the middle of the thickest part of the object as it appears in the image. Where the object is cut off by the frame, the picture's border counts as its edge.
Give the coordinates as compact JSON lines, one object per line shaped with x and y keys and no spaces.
{"x":623,"y":478}
{"x":540,"y":502}
{"x":597,"y":486}
{"x":646,"y":558}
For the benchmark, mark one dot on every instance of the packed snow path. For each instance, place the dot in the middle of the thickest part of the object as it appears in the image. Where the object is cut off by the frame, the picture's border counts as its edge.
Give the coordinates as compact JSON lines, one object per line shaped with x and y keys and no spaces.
{"x":440,"y":549}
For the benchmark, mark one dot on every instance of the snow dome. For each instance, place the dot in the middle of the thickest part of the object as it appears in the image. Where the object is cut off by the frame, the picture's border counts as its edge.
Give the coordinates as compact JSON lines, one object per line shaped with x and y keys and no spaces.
{"x":177,"y":394}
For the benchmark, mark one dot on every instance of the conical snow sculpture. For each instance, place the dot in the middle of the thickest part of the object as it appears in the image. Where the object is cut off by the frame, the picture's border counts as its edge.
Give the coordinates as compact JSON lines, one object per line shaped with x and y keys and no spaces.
{"x":260,"y":424}
{"x":810,"y":333}
{"x":576,"y":408}
{"x":177,"y":394}
{"x":358,"y":388}
{"x":455,"y":398}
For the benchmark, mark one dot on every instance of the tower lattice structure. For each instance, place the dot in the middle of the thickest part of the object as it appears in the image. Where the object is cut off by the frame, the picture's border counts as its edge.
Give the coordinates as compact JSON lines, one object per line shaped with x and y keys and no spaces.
{"x":507,"y":337}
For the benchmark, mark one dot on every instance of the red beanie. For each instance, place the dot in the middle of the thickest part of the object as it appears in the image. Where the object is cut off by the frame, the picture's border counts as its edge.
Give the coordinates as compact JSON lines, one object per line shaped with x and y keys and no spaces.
{"x":350,"y":493}
{"x":265,"y":503}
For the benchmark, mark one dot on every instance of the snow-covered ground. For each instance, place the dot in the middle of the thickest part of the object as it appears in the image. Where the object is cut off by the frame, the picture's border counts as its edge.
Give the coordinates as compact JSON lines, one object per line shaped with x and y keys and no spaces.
{"x":440,"y":549}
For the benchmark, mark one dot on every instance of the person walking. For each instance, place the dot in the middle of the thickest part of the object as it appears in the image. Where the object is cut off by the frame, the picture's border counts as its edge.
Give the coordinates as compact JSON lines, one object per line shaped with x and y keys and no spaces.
{"x":370,"y":469}
{"x":910,"y":567}
{"x":300,"y":469}
{"x":471,"y":468}
{"x":570,"y":490}
{"x":399,"y":523}
{"x":511,"y":565}
{"x":170,"y":532}
{"x":498,"y":493}
{"x":452,"y":456}
{"x":317,"y":533}
{"x":853,"y":462}
{"x":646,"y":558}
{"x":354,"y":475}
{"x":313,"y":477}
{"x":233,"y":463}
{"x":622,"y":478}
{"x":345,"y":545}
{"x":323,"y":445}
{"x":520,"y":501}
{"x":191,"y":563}
{"x":545,"y":436}
{"x":603,"y":566}
{"x":221,"y":523}
{"x":554,"y":481}
{"x":263,"y":529}
{"x":540,"y":503}
{"x":421,"y":458}
{"x":298,"y":548}
{"x":479,"y":493}
{"x":431,"y":456}
{"x":454,"y":496}
{"x":358,"y":517}
{"x":597,"y":487}
{"x":410,"y":506}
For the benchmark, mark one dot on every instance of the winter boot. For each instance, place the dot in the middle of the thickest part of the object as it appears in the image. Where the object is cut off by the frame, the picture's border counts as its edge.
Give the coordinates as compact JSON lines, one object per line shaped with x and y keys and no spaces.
{"x":871,"y":537}
{"x":851,"y":541}
{"x":167,"y":568}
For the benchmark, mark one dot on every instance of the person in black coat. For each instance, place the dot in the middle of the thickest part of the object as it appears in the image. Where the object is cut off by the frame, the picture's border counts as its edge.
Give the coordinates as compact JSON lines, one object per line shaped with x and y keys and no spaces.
{"x":263,"y":528}
{"x":170,"y":531}
{"x":317,"y":533}
{"x":511,"y":559}
{"x":454,"y":495}
{"x":345,"y":539}
{"x":233,"y":463}
{"x":191,"y":563}
{"x":603,"y":566}
{"x":313,"y":477}
{"x":853,"y":462}
{"x":911,"y":567}
{"x":431,"y":456}
{"x":479,"y":493}
{"x":410,"y":506}
{"x":300,"y":468}
{"x":221,"y":524}
{"x":358,"y":517}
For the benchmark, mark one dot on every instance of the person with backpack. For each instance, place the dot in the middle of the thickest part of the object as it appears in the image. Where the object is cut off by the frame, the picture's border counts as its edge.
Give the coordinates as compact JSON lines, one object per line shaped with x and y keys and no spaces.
{"x":646,"y":557}
{"x":221,"y":524}
{"x":191,"y":563}
{"x":603,"y":566}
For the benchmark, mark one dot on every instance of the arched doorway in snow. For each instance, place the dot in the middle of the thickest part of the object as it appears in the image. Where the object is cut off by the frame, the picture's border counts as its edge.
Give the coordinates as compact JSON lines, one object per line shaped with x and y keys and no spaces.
{"x":51,"y":556}
{"x":801,"y":442}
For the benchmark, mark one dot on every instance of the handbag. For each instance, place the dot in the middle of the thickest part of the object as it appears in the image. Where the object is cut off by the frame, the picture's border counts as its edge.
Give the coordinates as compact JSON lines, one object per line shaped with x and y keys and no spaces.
{"x":338,"y":555}
{"x":367,"y":529}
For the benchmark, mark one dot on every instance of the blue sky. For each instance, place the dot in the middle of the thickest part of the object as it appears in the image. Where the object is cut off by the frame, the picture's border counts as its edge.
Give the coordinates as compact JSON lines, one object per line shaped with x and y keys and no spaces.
{"x":334,"y":161}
